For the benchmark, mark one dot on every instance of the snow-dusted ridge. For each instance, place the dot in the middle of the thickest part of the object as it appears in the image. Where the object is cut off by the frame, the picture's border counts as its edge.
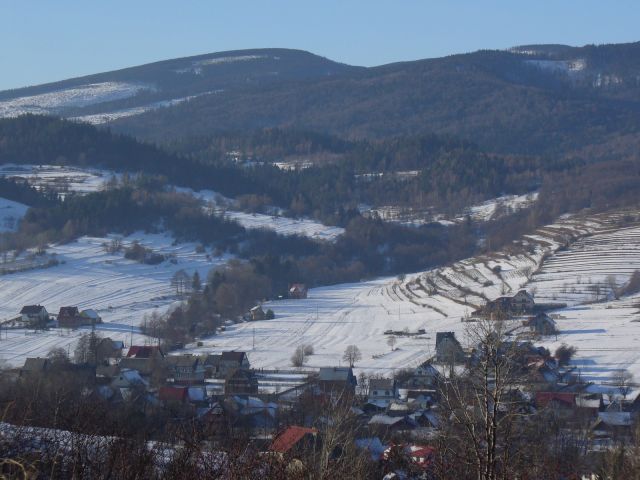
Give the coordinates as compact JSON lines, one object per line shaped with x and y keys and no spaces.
{"x":80,"y":96}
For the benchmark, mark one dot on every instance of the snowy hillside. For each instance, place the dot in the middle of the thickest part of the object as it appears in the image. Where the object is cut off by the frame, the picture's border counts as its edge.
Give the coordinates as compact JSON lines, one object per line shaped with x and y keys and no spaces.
{"x":56,"y":101}
{"x":437,"y":300}
{"x":64,"y":179}
{"x":10,"y":214}
{"x":121,"y":291}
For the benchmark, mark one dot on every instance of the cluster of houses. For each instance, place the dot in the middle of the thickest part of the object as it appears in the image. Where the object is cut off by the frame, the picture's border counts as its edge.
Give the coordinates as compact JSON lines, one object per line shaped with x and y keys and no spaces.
{"x":36,"y":316}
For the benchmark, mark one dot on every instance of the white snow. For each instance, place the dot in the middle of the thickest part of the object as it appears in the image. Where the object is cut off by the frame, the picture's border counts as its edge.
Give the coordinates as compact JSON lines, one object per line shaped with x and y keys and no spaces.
{"x":231,"y":59}
{"x":81,"y":96}
{"x":220,"y":205}
{"x":58,"y":178}
{"x":564,"y":66}
{"x":334,"y":317}
{"x":121,"y":291}
{"x":10,"y":214}
{"x":106,"y":117}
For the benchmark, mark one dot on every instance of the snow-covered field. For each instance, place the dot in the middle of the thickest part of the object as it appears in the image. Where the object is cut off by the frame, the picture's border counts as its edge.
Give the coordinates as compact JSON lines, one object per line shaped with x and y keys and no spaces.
{"x":606,"y":335}
{"x":589,"y":269}
{"x":10,"y":214}
{"x":58,"y":178}
{"x":218,"y":204}
{"x":81,"y":96}
{"x":120,"y":290}
{"x":437,"y":300}
{"x":483,"y":212}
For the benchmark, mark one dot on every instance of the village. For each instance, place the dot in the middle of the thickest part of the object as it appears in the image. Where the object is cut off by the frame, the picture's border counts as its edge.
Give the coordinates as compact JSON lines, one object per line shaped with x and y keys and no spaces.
{"x":282,"y":410}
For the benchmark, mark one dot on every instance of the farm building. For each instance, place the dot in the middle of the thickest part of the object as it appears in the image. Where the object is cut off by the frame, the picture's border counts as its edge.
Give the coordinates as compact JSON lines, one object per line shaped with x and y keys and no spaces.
{"x":34,"y":315}
{"x":448,"y":349}
{"x":298,"y":291}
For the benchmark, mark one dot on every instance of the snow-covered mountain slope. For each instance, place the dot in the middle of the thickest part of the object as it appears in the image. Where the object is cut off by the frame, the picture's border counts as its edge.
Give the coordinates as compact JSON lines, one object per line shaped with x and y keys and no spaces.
{"x":109,"y":96}
{"x":56,"y":101}
{"x":358,"y":314}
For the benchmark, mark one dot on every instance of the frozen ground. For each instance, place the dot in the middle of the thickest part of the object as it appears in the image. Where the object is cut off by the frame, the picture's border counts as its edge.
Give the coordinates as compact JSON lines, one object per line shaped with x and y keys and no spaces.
{"x":81,"y":96}
{"x":120,"y":290}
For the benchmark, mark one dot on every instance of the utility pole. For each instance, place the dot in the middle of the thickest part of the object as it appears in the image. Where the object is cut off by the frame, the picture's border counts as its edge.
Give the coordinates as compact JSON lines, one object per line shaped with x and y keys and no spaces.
{"x":254,"y":339}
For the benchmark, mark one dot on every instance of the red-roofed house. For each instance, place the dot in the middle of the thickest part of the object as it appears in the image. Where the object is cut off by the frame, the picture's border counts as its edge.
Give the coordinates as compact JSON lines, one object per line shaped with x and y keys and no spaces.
{"x":144,"y":351}
{"x":293,"y":439}
{"x":173,"y":394}
{"x":556,"y":399}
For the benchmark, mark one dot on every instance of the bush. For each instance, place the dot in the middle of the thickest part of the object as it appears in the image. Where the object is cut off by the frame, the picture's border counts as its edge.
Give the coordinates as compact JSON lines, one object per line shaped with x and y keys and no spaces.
{"x":297,"y":359}
{"x":564,"y":353}
{"x":269,"y":315}
{"x":308,"y":349}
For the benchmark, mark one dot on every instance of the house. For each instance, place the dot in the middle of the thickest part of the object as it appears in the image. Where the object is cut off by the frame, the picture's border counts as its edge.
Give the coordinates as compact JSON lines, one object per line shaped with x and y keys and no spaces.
{"x":556,"y":400}
{"x":422,"y":456}
{"x":231,"y":361}
{"x":337,"y":380}
{"x":521,"y":302}
{"x":169,"y":394}
{"x":382,"y":391}
{"x":211,"y":365}
{"x":388,"y":423}
{"x":34,"y":315}
{"x":109,"y":350}
{"x":70,"y":317}
{"x":91,"y":316}
{"x":186,"y":368}
{"x":145,"y":351}
{"x":128,"y":379}
{"x":298,"y":291}
{"x":294,"y":439}
{"x":35,"y":366}
{"x":612,"y":424}
{"x":257,"y":313}
{"x":448,"y":349}
{"x":144,"y":359}
{"x":241,"y":382}
{"x":542,"y":324}
{"x":424,"y":376}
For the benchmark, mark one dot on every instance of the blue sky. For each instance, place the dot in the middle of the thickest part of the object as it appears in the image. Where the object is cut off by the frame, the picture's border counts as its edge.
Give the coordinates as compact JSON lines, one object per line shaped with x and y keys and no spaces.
{"x":47,"y":40}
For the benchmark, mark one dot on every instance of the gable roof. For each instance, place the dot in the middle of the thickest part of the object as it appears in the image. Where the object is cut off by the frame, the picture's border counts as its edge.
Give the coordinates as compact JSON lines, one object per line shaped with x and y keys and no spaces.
{"x":233,"y":356}
{"x":565,"y":398}
{"x":35,"y":364}
{"x":182,"y":360}
{"x":287,"y":439}
{"x":381,"y":384}
{"x":440,"y":336}
{"x":31,"y":309}
{"x":173,"y":394}
{"x":336,"y":374}
{"x":143,"y":351}
{"x":68,"y":311}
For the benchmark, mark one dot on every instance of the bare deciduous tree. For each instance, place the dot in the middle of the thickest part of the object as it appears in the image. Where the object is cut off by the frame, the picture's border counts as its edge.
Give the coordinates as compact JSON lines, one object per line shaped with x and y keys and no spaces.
{"x":351,"y":355}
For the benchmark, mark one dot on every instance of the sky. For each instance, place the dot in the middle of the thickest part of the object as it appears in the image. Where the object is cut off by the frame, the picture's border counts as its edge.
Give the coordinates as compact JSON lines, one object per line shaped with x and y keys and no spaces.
{"x":47,"y":40}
